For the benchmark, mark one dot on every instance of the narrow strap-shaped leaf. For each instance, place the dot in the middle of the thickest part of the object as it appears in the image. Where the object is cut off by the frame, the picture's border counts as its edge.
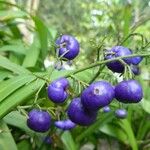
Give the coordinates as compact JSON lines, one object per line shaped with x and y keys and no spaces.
{"x":11,"y":14}
{"x":6,"y":140}
{"x":43,"y":35}
{"x":13,"y":84}
{"x":114,"y":131}
{"x":7,"y":64}
{"x":32,"y":54}
{"x":20,"y":96}
{"x":68,"y":141}
{"x":4,"y":74}
{"x":97,"y":125}
{"x":15,"y":119}
{"x":18,"y":48}
{"x":126,"y":126}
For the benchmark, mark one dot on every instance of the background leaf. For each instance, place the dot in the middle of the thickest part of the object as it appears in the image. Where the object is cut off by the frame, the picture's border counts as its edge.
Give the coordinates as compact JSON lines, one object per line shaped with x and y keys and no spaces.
{"x":6,"y":140}
{"x":32,"y":54}
{"x":5,"y":63}
{"x":43,"y":35}
{"x":68,"y":141}
{"x":17,"y":120}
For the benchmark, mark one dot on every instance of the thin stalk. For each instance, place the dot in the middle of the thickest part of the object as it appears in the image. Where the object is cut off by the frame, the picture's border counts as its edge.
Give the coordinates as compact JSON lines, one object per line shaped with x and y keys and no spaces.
{"x":104,"y":62}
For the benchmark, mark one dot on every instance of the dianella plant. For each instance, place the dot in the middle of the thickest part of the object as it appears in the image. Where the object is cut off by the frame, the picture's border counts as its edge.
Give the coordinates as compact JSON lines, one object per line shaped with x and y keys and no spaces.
{"x":74,"y":75}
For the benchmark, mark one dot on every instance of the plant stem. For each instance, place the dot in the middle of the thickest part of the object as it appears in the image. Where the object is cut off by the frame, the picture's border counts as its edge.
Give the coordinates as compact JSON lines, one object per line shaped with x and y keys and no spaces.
{"x":97,"y":74}
{"x":104,"y":62}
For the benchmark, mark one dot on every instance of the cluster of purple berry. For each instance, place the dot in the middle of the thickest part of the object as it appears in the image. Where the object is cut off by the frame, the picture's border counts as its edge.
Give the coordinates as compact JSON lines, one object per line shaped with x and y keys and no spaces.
{"x":83,"y":110}
{"x":117,"y":66}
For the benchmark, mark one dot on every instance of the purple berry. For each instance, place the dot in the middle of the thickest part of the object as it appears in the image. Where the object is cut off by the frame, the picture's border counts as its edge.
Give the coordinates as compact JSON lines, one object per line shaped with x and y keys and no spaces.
{"x":38,"y":120}
{"x":135,"y":69}
{"x":67,"y":42}
{"x":79,"y":115}
{"x":60,"y":83}
{"x":57,"y":95}
{"x":65,"y":124}
{"x":57,"y":90}
{"x":121,"y":113}
{"x":129,"y":91}
{"x":106,"y":109}
{"x":97,"y":95}
{"x":118,"y":51}
{"x":136,"y":60}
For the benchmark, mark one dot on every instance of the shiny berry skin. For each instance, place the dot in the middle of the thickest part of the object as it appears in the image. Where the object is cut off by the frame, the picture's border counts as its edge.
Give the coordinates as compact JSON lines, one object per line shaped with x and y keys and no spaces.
{"x":136,"y":60}
{"x":135,"y":69}
{"x":57,"y":90}
{"x":68,"y":42}
{"x":65,"y":124}
{"x":129,"y":91}
{"x":60,"y":83}
{"x":121,"y":113}
{"x":106,"y":109}
{"x":79,"y":115}
{"x":38,"y":120}
{"x":97,"y":95}
{"x":118,"y":51}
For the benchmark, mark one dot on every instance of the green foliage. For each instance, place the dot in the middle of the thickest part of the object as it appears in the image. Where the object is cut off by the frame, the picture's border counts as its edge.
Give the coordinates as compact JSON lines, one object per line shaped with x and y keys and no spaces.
{"x":68,"y":141}
{"x":28,"y":38}
{"x":17,"y":120}
{"x":6,"y":138}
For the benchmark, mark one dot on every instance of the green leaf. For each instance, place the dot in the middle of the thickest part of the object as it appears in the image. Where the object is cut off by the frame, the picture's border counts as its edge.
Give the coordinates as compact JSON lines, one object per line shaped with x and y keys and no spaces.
{"x":6,"y":140}
{"x":126,"y":126}
{"x":7,"y":64}
{"x":127,"y":19}
{"x":18,"y":48}
{"x":68,"y":141}
{"x":32,"y":54}
{"x":11,"y":14}
{"x":56,"y":74}
{"x":20,"y":96}
{"x":4,"y":74}
{"x":11,"y":85}
{"x":24,"y":145}
{"x":14,"y":29}
{"x":43,"y":36}
{"x":97,"y":125}
{"x":114,"y":131}
{"x":15,"y":58}
{"x":85,"y":75}
{"x":15,"y":119}
{"x":53,"y":32}
{"x":144,"y":128}
{"x":145,"y":105}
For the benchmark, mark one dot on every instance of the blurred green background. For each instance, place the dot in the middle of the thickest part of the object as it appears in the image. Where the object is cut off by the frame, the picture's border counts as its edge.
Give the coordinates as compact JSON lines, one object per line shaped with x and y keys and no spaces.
{"x":28,"y":30}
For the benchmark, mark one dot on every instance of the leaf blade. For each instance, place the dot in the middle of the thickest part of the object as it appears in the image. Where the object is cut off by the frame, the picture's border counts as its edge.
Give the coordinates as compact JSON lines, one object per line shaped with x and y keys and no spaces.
{"x":19,"y":97}
{"x":13,"y":84}
{"x":6,"y":139}
{"x":7,"y":64}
